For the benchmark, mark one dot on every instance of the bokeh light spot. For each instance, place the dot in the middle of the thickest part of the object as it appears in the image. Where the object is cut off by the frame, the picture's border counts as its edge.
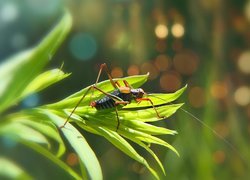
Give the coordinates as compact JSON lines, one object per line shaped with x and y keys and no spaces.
{"x":72,"y":159}
{"x":83,"y":46}
{"x":31,"y":101}
{"x":177,"y":30}
{"x":222,"y":128}
{"x":170,"y":81}
{"x":196,"y":97}
{"x":219,"y":90}
{"x":116,"y":72}
{"x":219,"y":156}
{"x":186,"y":62}
{"x":8,"y":142}
{"x":242,"y":96}
{"x":244,"y":62}
{"x":149,"y":67}
{"x":162,"y":62}
{"x":8,"y":12}
{"x":44,"y":8}
{"x":161,"y":31}
{"x":133,"y":70}
{"x":247,"y":10}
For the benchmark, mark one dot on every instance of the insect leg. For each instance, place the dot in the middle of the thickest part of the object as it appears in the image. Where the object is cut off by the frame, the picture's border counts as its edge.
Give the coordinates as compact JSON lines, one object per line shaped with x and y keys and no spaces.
{"x":116,"y":112}
{"x":127,"y":84}
{"x":115,"y":84}
{"x":78,"y":103}
{"x":147,"y":99}
{"x":115,"y":98}
{"x":105,"y":67}
{"x":117,"y":117}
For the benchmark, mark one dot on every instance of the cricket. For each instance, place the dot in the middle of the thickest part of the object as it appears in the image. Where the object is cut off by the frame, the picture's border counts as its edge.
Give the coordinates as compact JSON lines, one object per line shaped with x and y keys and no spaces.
{"x":120,"y":96}
{"x":124,"y":95}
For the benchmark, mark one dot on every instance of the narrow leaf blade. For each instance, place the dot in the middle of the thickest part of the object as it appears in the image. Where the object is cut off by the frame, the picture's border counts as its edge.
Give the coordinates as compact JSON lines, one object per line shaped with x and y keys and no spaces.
{"x":11,"y":170}
{"x":80,"y":145}
{"x":21,"y":69}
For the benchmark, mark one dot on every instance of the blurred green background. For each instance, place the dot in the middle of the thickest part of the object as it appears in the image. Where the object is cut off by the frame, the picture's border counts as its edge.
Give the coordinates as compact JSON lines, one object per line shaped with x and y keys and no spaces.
{"x":205,"y":44}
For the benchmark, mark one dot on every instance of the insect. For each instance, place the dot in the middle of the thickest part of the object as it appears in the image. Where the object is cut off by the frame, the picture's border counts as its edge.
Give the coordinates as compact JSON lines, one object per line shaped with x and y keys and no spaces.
{"x":121,"y":95}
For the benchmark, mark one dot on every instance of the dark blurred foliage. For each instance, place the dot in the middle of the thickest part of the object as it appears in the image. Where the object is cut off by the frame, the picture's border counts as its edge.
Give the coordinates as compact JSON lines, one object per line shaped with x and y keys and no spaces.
{"x":204,"y":44}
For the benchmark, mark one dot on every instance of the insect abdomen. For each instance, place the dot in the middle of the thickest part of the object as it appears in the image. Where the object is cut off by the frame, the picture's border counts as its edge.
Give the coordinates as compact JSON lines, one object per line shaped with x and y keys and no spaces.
{"x":104,"y":103}
{"x":107,"y":102}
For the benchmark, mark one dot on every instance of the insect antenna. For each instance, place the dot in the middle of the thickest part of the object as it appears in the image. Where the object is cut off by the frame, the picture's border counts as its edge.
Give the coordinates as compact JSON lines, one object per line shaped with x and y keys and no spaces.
{"x":216,"y":133}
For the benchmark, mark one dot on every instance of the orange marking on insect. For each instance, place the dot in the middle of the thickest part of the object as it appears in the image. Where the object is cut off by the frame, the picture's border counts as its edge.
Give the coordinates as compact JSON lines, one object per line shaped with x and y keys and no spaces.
{"x":124,"y":89}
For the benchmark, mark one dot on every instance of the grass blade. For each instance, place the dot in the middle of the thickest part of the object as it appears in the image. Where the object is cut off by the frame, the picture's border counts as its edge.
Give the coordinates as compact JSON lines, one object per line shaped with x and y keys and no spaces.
{"x":125,"y":147}
{"x":21,"y":132}
{"x":17,"y":72}
{"x":48,"y":130}
{"x":148,"y":128}
{"x":10,"y":170}
{"x":44,"y":80}
{"x":148,"y":114}
{"x":53,"y":158}
{"x":80,"y":145}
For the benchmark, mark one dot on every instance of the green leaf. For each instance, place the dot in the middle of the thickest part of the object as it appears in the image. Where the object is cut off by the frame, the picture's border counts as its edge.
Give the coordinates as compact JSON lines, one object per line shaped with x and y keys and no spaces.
{"x":21,"y":132}
{"x":11,"y":170}
{"x":18,"y":71}
{"x":125,"y":147}
{"x":47,"y":129}
{"x":107,"y":117}
{"x":80,"y":145}
{"x":149,"y":114}
{"x":32,"y":119}
{"x":44,"y":80}
{"x":148,"y":128}
{"x":53,"y":158}
{"x":130,"y":137}
{"x":30,"y":129}
{"x":128,"y":132}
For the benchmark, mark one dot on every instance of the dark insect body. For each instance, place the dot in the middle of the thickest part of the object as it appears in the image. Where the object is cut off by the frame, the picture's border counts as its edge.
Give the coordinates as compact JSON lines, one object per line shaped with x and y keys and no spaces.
{"x":125,"y":95}
{"x":107,"y":102}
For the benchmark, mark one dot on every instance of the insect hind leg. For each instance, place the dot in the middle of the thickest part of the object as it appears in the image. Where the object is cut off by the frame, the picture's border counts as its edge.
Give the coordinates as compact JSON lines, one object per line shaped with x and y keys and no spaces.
{"x":78,"y":103}
{"x":118,"y":120}
{"x":105,"y":67}
{"x":127,"y":84}
{"x":115,"y":84}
